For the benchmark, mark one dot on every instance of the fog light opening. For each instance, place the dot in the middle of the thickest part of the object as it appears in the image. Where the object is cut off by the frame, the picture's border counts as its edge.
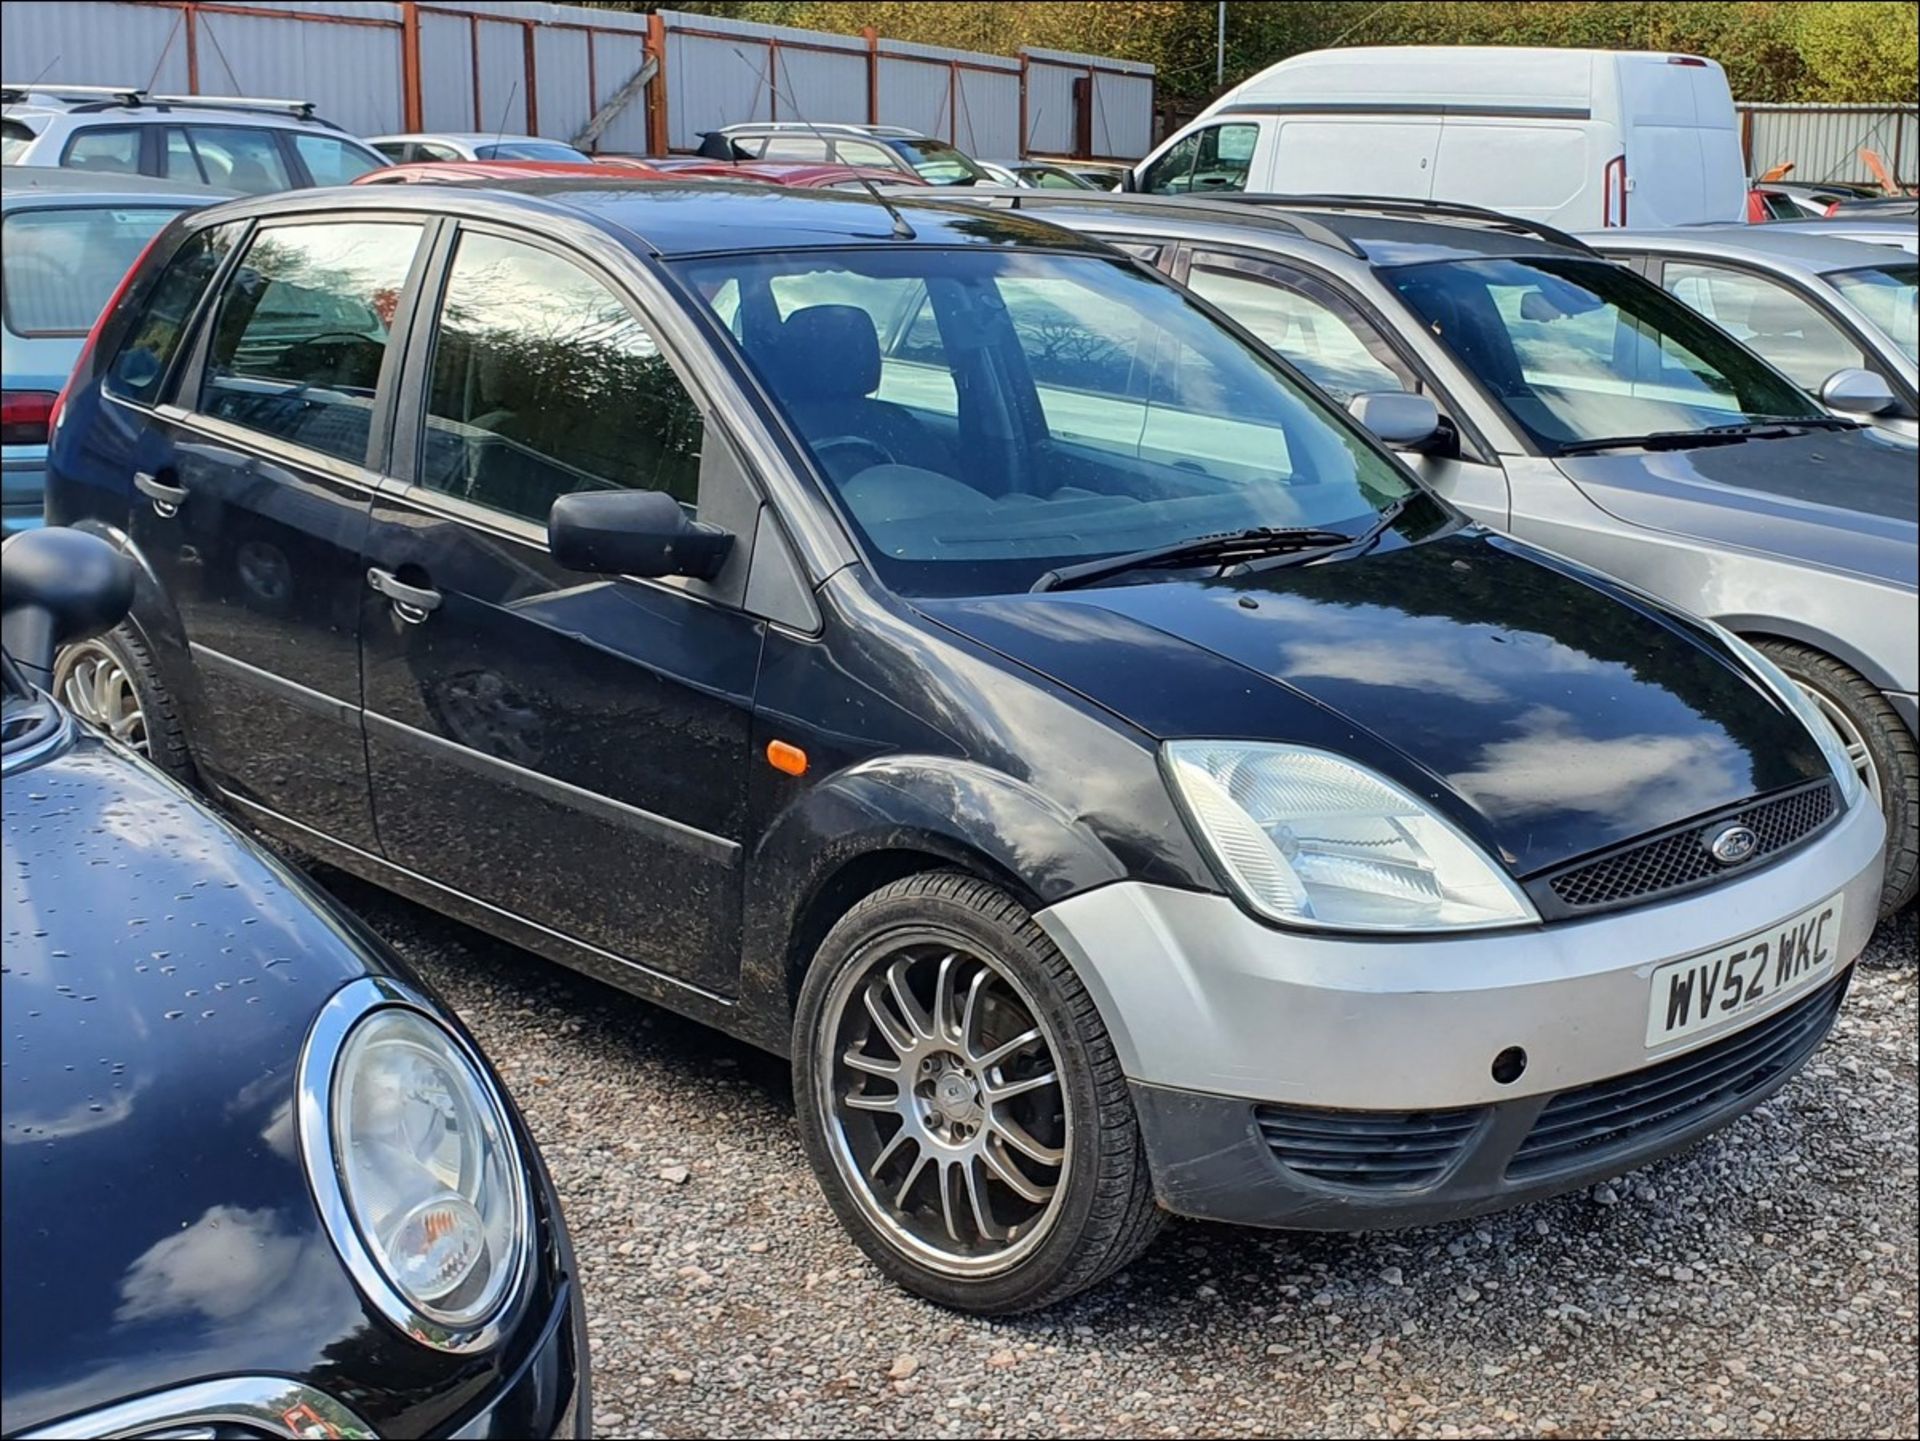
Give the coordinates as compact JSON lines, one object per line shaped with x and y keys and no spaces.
{"x":1509,"y":1065}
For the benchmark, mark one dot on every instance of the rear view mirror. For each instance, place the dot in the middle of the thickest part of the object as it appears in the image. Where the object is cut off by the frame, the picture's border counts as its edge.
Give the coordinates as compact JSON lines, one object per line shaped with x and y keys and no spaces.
{"x":58,"y":586}
{"x":633,"y":532}
{"x":1396,"y":418}
{"x":1857,"y":392}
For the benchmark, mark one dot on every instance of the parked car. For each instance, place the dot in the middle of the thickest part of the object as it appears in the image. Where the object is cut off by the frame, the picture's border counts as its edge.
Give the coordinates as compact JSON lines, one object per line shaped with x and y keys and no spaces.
{"x":66,"y":241}
{"x":1899,"y":234}
{"x":1562,"y":136}
{"x":1770,"y":200}
{"x":230,"y":143}
{"x":449,"y":172}
{"x":475,"y":145}
{"x":259,"y":1182}
{"x":1814,"y":303}
{"x":779,"y":172}
{"x":927,"y":645}
{"x":1036,"y":175}
{"x":1570,"y":402}
{"x":877,"y":147}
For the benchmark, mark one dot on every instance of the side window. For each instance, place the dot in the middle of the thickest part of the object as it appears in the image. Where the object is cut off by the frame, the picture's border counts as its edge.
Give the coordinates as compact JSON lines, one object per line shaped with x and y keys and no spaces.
{"x":238,"y":159}
{"x":807,"y":148}
{"x":1336,"y":347}
{"x":151,"y":344}
{"x":428,"y":151}
{"x":864,"y":152}
{"x":331,"y":161}
{"x":112,"y":149}
{"x":1783,"y":327}
{"x":302,"y":330}
{"x":394,"y":150}
{"x":543,"y":383}
{"x":1217,"y":158}
{"x":177,"y":160}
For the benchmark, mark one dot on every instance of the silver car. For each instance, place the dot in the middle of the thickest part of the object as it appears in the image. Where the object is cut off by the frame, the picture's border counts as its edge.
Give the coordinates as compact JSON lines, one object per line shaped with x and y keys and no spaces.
{"x":1815,"y":304}
{"x":1563,"y":398}
{"x":475,"y":145}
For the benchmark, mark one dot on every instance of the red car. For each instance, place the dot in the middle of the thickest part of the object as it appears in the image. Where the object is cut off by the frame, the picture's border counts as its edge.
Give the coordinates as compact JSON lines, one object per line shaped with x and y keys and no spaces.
{"x":442,"y":171}
{"x":773,"y":172}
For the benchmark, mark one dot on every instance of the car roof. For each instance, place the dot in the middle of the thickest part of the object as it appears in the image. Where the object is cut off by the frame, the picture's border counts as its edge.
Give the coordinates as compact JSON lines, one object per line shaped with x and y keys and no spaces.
{"x":450,"y":171}
{"x":468,"y":137}
{"x":1380,"y":231}
{"x":789,"y":172}
{"x":30,"y":182}
{"x":1785,"y":246}
{"x":690,"y":217}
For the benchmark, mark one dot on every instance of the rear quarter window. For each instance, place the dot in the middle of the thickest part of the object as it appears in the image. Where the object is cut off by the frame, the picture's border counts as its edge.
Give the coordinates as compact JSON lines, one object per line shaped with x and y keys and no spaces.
{"x":15,"y":137}
{"x":154,"y":338}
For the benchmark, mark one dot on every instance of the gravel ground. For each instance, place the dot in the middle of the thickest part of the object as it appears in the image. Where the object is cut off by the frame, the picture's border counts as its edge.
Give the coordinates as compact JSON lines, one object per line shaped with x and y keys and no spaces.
{"x":1762,"y":1284}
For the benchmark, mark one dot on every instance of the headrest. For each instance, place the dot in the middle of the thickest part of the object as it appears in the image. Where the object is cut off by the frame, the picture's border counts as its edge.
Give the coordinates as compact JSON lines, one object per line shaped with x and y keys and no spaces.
{"x":828,"y":352}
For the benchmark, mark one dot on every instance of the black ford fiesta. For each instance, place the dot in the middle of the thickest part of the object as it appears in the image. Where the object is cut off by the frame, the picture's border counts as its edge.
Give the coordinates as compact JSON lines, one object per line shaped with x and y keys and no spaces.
{"x":928,"y":644}
{"x":258,"y":1182}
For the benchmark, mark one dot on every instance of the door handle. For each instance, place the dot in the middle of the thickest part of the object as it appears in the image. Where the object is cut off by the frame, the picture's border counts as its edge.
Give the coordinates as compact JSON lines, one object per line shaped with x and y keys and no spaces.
{"x":412,"y":603}
{"x":167,"y":499}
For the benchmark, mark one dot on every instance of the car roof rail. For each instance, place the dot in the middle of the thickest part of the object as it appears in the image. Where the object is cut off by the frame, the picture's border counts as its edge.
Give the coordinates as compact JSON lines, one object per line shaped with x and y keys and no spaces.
{"x":1411,"y":209}
{"x":12,"y":93}
{"x":299,"y":109}
{"x":1203,"y":207}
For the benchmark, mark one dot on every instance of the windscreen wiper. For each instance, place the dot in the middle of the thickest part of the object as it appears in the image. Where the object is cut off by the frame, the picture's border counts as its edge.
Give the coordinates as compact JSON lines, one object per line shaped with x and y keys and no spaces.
{"x":1223,"y":549}
{"x":1763,"y":428}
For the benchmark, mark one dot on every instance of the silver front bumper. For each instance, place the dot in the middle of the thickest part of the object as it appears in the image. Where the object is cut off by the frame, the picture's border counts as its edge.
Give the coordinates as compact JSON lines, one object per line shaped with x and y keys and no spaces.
{"x":1201,"y":997}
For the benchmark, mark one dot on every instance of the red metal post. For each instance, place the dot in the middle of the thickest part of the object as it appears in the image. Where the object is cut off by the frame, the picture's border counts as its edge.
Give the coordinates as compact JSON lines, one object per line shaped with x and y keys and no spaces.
{"x":953,"y":111}
{"x":412,"y":105}
{"x":657,"y":87}
{"x":1020,"y":146}
{"x":773,"y":79}
{"x":530,"y":57}
{"x":593,"y":81}
{"x":473,"y":53}
{"x":873,"y":74}
{"x":189,"y":19}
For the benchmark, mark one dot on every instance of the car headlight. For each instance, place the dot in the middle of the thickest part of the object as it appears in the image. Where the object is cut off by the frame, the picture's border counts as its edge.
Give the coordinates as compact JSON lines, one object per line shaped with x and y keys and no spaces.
{"x":1309,"y":839}
{"x":413,"y":1160}
{"x":1803,"y":706}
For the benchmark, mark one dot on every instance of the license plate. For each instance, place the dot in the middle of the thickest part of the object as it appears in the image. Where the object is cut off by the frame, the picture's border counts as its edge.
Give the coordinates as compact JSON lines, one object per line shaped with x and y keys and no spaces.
{"x":1716,"y":988}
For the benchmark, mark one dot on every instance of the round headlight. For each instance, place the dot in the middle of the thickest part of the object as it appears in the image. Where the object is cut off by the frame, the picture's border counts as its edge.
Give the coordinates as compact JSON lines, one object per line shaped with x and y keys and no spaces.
{"x":416,"y":1168}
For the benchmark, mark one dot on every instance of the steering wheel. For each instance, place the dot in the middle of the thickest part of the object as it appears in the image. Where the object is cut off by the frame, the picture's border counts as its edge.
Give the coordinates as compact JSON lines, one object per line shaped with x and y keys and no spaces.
{"x":854,"y":442}
{"x":329,"y":344}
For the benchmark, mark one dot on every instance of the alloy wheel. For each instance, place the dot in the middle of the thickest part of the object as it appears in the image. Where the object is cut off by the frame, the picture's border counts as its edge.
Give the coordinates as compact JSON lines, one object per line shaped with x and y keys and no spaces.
{"x":97,"y":688}
{"x":1850,"y":737}
{"x":943,"y":1101}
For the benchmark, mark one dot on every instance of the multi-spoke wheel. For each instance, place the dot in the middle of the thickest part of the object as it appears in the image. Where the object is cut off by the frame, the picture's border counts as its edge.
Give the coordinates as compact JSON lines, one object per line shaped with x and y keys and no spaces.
{"x":97,"y":688}
{"x":1880,"y":747}
{"x":961,"y":1102}
{"x":110,"y":683}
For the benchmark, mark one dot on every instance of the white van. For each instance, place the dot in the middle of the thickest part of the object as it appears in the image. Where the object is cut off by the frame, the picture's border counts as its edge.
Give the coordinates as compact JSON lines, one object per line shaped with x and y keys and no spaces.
{"x":1581,"y":139}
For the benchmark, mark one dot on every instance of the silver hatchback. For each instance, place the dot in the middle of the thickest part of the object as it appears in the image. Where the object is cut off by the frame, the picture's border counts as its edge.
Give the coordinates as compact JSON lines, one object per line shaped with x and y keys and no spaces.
{"x":1556,"y":395}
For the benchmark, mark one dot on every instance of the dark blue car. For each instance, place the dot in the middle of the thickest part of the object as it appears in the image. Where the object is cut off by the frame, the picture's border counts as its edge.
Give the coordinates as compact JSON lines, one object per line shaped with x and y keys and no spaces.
{"x":258,"y":1182}
{"x":927,"y":643}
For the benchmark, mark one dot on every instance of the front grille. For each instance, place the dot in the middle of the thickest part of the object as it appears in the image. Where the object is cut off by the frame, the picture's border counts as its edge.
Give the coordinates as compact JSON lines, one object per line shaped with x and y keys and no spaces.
{"x":1370,"y":1150}
{"x":1579,"y":1127}
{"x":1679,"y":858}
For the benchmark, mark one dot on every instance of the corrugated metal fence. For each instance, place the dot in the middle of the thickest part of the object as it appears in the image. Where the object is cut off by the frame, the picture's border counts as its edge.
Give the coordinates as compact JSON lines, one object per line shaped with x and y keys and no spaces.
{"x":531,"y":68}
{"x":1824,"y":141}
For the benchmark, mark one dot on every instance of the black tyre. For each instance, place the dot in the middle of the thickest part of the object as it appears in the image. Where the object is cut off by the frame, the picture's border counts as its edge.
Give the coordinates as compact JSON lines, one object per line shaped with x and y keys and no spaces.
{"x":1881,"y":747}
{"x":110,"y":683}
{"x":961,"y":1102}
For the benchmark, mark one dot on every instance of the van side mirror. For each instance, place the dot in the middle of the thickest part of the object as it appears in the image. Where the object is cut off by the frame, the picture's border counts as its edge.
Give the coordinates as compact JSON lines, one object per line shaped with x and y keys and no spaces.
{"x":1857,"y":392}
{"x":58,"y":586}
{"x":633,"y":532}
{"x":1398,"y":419}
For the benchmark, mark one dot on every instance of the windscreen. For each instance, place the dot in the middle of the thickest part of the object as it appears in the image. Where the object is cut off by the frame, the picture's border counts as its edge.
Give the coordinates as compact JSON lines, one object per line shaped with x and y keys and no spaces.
{"x":1577,"y":350}
{"x":938,"y":163}
{"x":533,"y":150}
{"x":984,"y":416}
{"x":62,"y":265}
{"x":1886,"y":295}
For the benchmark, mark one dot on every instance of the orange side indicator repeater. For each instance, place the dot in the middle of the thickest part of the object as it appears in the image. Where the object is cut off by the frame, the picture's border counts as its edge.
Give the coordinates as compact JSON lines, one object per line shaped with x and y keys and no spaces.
{"x":788,"y":758}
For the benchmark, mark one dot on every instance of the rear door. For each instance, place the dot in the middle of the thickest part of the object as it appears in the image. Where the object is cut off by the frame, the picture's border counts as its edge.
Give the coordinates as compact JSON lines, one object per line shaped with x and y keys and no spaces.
{"x":569,"y":749}
{"x":253,"y":509}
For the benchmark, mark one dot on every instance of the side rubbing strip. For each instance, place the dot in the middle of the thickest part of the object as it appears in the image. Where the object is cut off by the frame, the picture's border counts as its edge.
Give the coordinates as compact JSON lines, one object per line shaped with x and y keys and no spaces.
{"x":279,"y":687}
{"x":704,"y":844}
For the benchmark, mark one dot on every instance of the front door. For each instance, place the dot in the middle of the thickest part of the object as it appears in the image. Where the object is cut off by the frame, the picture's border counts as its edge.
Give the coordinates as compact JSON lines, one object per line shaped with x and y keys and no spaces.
{"x":570,"y":749}
{"x":255,"y":507}
{"x":1339,"y":348}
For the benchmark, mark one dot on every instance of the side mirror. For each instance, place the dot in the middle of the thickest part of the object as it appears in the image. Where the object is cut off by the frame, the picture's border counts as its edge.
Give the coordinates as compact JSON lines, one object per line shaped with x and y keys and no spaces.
{"x":633,"y":532}
{"x":1857,"y":392}
{"x":58,"y":586}
{"x":1397,"y":419}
